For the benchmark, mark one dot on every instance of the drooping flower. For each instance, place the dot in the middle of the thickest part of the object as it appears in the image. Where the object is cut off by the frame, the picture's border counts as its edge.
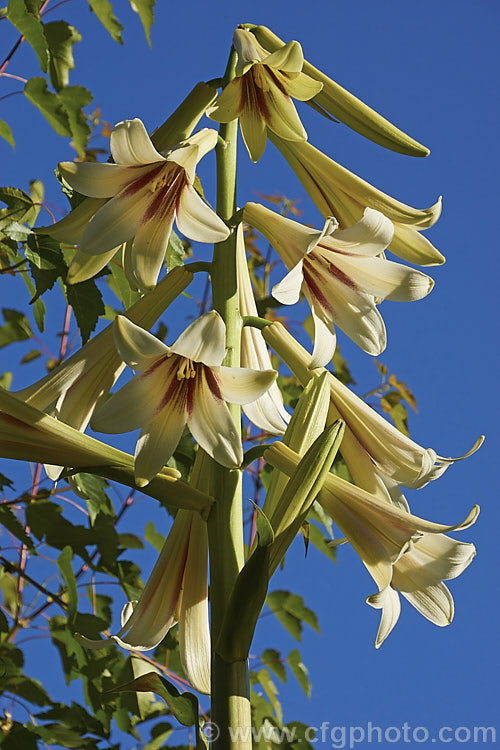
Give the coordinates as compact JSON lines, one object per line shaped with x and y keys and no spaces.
{"x":176,"y":591}
{"x":179,"y":385}
{"x":260,"y":95}
{"x":369,"y":437}
{"x":418,"y":575}
{"x":74,"y":389}
{"x":338,"y":192}
{"x":340,"y":275}
{"x":399,"y":550}
{"x":267,"y":412}
{"x":148,"y":192}
{"x":346,"y":107}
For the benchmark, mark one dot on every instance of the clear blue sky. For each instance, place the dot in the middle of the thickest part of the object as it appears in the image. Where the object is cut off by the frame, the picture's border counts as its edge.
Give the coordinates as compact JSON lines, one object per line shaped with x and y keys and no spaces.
{"x":432,"y":68}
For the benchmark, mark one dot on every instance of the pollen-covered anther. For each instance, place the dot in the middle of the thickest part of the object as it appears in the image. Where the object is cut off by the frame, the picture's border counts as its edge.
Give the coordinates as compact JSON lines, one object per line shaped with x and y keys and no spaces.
{"x":186,"y":369}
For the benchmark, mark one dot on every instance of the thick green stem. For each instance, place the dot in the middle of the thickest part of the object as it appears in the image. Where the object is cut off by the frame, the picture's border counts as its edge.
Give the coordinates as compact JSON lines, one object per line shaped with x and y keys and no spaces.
{"x":230,"y":709}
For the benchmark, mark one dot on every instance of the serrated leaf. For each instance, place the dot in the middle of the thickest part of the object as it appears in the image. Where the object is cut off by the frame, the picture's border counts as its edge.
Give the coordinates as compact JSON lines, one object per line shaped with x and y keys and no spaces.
{"x":6,"y":133}
{"x":16,"y":231}
{"x":49,"y":104}
{"x":16,"y":328}
{"x":9,"y":521}
{"x":183,"y":706}
{"x":144,"y":8}
{"x":295,"y":663}
{"x":20,"y":207}
{"x":104,"y":12}
{"x":86,"y":301}
{"x":46,"y":262}
{"x":74,"y":98}
{"x":60,"y":39}
{"x":25,"y":16}
{"x":66,"y":569}
{"x":272,"y":660}
{"x":118,"y":282}
{"x":291,"y":612}
{"x":271,"y":691}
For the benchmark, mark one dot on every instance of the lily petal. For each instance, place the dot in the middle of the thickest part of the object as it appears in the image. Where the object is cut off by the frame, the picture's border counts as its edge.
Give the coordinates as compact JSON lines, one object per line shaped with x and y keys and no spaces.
{"x":240,"y":385}
{"x":148,"y":251}
{"x":212,"y":426}
{"x":196,"y":220}
{"x":203,"y":341}
{"x":130,"y":144}
{"x":137,"y":347}
{"x":158,"y":440}
{"x":100,"y":180}
{"x":287,"y":291}
{"x":116,"y":222}
{"x":388,"y":601}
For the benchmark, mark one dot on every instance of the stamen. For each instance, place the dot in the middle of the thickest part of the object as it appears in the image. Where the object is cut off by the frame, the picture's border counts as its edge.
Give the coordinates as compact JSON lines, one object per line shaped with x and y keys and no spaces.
{"x":186,"y":369}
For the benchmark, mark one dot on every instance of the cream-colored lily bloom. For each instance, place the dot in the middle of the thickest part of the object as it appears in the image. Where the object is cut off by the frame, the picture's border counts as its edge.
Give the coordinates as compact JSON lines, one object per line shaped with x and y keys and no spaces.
{"x":180,"y":385}
{"x":341,"y":275}
{"x":147,"y":192}
{"x":260,"y":95}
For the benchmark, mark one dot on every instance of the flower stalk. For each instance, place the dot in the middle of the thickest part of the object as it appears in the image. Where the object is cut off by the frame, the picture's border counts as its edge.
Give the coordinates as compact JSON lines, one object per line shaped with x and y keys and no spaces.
{"x":230,"y":689}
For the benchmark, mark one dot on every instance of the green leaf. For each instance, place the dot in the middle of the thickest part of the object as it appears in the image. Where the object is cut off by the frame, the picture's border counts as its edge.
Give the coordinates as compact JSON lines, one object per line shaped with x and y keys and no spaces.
{"x":12,"y":524}
{"x":66,"y":568}
{"x":321,"y":542}
{"x":144,"y":8}
{"x":74,"y":98}
{"x":25,"y":16}
{"x":86,"y":301}
{"x":104,"y":12}
{"x":60,"y":38}
{"x":91,"y":489}
{"x":20,"y":207}
{"x":183,"y":706}
{"x":153,"y":536}
{"x":118,"y":283}
{"x":272,"y":660}
{"x":175,"y":251}
{"x":6,"y":133}
{"x":16,"y":328}
{"x":46,"y":262}
{"x":271,"y":691}
{"x":294,"y":661}
{"x":291,"y":612}
{"x":16,"y":231}
{"x":5,"y":481}
{"x":49,"y":104}
{"x":5,"y":382}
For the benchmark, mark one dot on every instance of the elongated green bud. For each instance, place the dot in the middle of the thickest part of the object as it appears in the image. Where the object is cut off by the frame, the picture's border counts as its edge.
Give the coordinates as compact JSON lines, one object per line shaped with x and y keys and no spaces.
{"x":348,"y":108}
{"x":305,"y":483}
{"x":186,"y":117}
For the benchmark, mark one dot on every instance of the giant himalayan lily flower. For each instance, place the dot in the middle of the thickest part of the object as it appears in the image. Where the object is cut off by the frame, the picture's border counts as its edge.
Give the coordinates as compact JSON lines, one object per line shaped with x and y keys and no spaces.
{"x":268,"y":412}
{"x":348,"y":108}
{"x":260,"y":95}
{"x":73,"y":390}
{"x":395,"y":455}
{"x":179,"y":385}
{"x":399,"y":550}
{"x":148,"y":191}
{"x":338,"y":192}
{"x":176,"y":591}
{"x":340,"y":275}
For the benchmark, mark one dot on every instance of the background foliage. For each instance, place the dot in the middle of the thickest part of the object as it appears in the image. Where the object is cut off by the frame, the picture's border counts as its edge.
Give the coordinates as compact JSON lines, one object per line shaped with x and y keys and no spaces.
{"x":69,"y":563}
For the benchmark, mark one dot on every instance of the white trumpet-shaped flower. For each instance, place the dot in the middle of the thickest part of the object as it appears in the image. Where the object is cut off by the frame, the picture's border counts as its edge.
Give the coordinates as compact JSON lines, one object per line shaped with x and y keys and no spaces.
{"x":338,"y":192}
{"x":260,"y":94}
{"x":368,"y":438}
{"x":73,"y":390}
{"x":267,"y":412}
{"x":147,"y":192}
{"x":180,"y":385}
{"x":176,"y":591}
{"x":400,"y":550}
{"x":340,"y":275}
